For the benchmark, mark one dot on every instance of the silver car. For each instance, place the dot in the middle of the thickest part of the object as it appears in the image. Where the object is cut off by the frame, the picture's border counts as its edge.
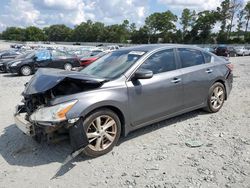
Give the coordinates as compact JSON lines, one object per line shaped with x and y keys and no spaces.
{"x":120,"y":92}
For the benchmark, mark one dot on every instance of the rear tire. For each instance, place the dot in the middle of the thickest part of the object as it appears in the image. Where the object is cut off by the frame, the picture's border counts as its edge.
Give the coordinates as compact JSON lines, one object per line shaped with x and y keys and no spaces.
{"x":216,"y":97}
{"x":103,"y":128}
{"x":25,"y":70}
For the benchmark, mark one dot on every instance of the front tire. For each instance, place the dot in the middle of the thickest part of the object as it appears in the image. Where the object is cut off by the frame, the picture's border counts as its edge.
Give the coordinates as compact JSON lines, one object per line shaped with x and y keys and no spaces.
{"x":103,"y":128}
{"x":25,"y":70}
{"x":216,"y":97}
{"x":68,"y":67}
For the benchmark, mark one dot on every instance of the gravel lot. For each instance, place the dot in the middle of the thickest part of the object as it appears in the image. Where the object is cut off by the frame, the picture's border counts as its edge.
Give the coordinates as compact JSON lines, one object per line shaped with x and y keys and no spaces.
{"x":155,"y":156}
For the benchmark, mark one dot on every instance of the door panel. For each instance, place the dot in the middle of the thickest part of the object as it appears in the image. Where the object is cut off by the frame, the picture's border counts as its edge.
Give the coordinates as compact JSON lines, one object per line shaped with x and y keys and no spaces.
{"x":154,"y":98}
{"x":197,"y":76}
{"x":43,"y":59}
{"x":159,"y":96}
{"x":196,"y":83}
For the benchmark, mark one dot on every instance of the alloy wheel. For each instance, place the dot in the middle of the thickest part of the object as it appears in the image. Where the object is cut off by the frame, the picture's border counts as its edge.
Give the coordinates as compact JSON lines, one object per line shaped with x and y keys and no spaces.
{"x":101,"y":132}
{"x":217,"y":97}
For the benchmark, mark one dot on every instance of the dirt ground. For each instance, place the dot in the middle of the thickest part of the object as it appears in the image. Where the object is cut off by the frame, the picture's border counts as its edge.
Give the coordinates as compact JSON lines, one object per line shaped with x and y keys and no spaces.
{"x":155,"y":156}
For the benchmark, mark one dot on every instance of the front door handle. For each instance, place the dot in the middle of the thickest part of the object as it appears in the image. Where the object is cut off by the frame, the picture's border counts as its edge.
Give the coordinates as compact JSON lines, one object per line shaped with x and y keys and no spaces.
{"x":209,"y":71}
{"x":176,"y":80}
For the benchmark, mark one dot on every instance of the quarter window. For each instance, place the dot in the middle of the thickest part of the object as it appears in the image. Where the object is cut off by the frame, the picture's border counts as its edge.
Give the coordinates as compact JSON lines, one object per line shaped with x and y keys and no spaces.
{"x":190,"y":57}
{"x":159,"y":62}
{"x":207,"y":57}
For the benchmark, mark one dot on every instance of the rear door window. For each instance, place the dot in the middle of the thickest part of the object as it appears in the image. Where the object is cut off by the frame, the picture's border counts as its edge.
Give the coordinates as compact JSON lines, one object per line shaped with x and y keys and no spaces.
{"x":190,"y":57}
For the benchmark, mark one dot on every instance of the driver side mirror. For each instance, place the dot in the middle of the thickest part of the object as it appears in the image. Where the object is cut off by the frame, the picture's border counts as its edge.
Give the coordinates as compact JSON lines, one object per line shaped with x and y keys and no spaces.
{"x":143,"y":74}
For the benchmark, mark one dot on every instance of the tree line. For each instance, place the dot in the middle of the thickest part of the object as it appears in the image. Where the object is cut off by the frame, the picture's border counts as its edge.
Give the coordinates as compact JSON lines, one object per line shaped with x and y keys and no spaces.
{"x":195,"y":27}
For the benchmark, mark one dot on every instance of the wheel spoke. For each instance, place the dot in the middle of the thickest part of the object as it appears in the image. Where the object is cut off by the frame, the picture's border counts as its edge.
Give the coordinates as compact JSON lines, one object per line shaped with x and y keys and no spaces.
{"x":213,"y":99}
{"x":109,"y":137}
{"x":98,"y":144}
{"x":90,"y":141}
{"x":216,"y":91}
{"x":98,"y":123}
{"x":111,"y":132}
{"x":92,"y":135}
{"x":219,"y":102}
{"x":215,"y":103}
{"x":107,"y":120}
{"x":219,"y":93}
{"x":109,"y":124}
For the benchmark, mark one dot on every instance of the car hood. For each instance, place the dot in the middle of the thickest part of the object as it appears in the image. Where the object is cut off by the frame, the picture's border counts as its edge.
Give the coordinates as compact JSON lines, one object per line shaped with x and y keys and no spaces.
{"x":19,"y":60}
{"x":45,"y":79}
{"x":3,"y":61}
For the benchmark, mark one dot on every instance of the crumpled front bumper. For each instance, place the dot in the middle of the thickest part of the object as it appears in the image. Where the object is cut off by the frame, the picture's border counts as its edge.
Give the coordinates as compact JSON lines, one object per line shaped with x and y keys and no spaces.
{"x":76,"y":132}
{"x":24,"y":125}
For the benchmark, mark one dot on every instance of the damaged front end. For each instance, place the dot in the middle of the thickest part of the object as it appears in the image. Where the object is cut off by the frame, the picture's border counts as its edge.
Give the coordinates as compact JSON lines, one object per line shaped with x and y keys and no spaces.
{"x":44,"y":121}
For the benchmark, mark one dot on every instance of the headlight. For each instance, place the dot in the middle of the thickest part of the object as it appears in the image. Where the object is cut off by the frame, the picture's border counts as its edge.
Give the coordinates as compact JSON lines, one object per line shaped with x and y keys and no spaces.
{"x":15,"y":63}
{"x":55,"y":113}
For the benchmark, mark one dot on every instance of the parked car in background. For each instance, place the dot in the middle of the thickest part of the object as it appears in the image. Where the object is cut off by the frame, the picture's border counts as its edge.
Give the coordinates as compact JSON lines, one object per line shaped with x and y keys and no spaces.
{"x":232,"y":51}
{"x":111,"y":48}
{"x":122,"y":91}
{"x":226,"y":51}
{"x":210,"y":49}
{"x":42,"y":59}
{"x":5,"y":62}
{"x":242,"y":51}
{"x":91,"y":57}
{"x":9,"y":54}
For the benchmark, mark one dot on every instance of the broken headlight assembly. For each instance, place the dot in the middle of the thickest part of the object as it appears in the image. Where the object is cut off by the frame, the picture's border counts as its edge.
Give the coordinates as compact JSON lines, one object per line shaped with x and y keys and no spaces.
{"x":54,"y":114}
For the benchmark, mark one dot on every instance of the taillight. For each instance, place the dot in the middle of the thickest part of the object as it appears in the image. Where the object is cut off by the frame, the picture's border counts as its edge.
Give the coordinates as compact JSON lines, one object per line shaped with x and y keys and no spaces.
{"x":230,"y":66}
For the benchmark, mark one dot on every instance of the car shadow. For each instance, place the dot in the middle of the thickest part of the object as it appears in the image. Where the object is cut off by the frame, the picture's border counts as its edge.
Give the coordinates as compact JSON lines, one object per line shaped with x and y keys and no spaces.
{"x":11,"y":75}
{"x":161,"y":124}
{"x":20,"y":150}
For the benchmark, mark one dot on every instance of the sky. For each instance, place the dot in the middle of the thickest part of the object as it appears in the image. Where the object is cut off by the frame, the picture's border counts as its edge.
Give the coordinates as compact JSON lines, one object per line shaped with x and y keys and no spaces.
{"x":42,"y":13}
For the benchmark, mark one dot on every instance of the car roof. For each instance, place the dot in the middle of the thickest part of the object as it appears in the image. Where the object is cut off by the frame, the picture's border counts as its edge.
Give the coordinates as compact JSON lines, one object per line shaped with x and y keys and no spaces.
{"x":151,"y":47}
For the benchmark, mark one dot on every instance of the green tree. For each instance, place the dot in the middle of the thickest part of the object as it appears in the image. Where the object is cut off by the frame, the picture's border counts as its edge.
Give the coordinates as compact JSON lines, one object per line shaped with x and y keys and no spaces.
{"x":58,"y":32}
{"x":160,"y":23}
{"x":203,"y":26}
{"x":14,"y":33}
{"x":140,"y":36}
{"x":187,"y":20}
{"x":34,"y":34}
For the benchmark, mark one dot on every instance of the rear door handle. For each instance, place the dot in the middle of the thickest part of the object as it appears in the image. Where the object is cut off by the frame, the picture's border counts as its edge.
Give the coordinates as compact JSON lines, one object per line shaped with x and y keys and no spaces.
{"x":176,"y":80}
{"x":209,"y":71}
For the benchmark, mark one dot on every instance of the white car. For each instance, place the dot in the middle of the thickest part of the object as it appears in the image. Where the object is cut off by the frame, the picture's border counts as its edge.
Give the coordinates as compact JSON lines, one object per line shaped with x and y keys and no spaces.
{"x":241,"y":50}
{"x":112,"y":48}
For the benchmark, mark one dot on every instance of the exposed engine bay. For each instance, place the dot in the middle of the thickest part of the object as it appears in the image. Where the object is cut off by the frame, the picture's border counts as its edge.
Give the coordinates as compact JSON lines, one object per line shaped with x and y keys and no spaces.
{"x":66,"y":87}
{"x":45,"y":86}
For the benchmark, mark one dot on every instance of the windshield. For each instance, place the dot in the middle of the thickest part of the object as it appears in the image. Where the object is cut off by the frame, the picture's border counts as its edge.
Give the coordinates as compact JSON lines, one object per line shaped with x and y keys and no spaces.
{"x":113,"y":65}
{"x":30,"y":55}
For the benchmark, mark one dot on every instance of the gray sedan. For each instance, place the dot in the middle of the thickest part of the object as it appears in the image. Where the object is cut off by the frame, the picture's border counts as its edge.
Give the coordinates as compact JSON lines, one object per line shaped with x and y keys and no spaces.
{"x":120,"y":92}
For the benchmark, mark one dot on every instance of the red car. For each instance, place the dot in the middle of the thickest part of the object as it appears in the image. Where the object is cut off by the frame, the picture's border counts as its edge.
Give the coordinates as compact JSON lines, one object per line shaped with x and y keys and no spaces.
{"x":85,"y":61}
